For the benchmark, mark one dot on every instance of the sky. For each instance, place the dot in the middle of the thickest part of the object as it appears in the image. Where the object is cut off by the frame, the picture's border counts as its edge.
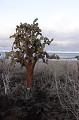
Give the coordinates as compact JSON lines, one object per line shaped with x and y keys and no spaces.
{"x":58,"y":19}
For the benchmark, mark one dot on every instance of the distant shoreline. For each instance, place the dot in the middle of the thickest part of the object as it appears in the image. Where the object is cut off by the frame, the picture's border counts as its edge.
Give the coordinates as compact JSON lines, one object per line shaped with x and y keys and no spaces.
{"x":62,"y":55}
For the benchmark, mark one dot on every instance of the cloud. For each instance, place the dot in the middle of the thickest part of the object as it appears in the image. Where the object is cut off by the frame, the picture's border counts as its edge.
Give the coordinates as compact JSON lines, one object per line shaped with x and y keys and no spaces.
{"x":62,"y":41}
{"x":65,"y":43}
{"x":62,"y":22}
{"x":5,"y":44}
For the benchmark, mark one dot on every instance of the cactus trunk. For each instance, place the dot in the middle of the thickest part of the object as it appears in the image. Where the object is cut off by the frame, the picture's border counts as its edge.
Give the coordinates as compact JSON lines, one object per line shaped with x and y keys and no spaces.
{"x":29,"y":69}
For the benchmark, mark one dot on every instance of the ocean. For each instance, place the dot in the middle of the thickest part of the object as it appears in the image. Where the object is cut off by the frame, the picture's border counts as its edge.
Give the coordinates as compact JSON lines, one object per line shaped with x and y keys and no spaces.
{"x":66,"y":55}
{"x":62,"y":55}
{"x":2,"y":55}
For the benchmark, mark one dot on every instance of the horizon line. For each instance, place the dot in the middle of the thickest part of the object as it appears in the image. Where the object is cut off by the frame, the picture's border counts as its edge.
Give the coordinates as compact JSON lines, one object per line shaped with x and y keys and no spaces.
{"x":62,"y":51}
{"x":49,"y":51}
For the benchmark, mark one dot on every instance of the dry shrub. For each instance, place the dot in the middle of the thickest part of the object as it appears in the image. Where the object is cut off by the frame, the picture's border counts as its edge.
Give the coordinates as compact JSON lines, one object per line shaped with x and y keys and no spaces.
{"x":55,"y":88}
{"x":59,"y":78}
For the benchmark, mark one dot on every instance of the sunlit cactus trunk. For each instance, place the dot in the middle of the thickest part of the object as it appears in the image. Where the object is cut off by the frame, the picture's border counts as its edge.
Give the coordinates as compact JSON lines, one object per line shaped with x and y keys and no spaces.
{"x":29,"y":72}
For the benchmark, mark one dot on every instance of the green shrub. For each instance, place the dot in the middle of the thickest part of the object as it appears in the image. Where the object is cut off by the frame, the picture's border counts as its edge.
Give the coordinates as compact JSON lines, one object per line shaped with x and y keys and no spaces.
{"x":54,"y":57}
{"x":77,"y":57}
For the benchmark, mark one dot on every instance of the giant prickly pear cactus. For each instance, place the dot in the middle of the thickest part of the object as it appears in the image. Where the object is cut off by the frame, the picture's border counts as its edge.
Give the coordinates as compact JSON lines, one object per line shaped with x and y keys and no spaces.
{"x":29,"y":44}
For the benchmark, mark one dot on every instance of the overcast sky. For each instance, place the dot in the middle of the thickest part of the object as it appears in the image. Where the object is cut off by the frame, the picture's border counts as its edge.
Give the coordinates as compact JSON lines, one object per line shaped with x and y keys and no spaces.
{"x":58,"y":19}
